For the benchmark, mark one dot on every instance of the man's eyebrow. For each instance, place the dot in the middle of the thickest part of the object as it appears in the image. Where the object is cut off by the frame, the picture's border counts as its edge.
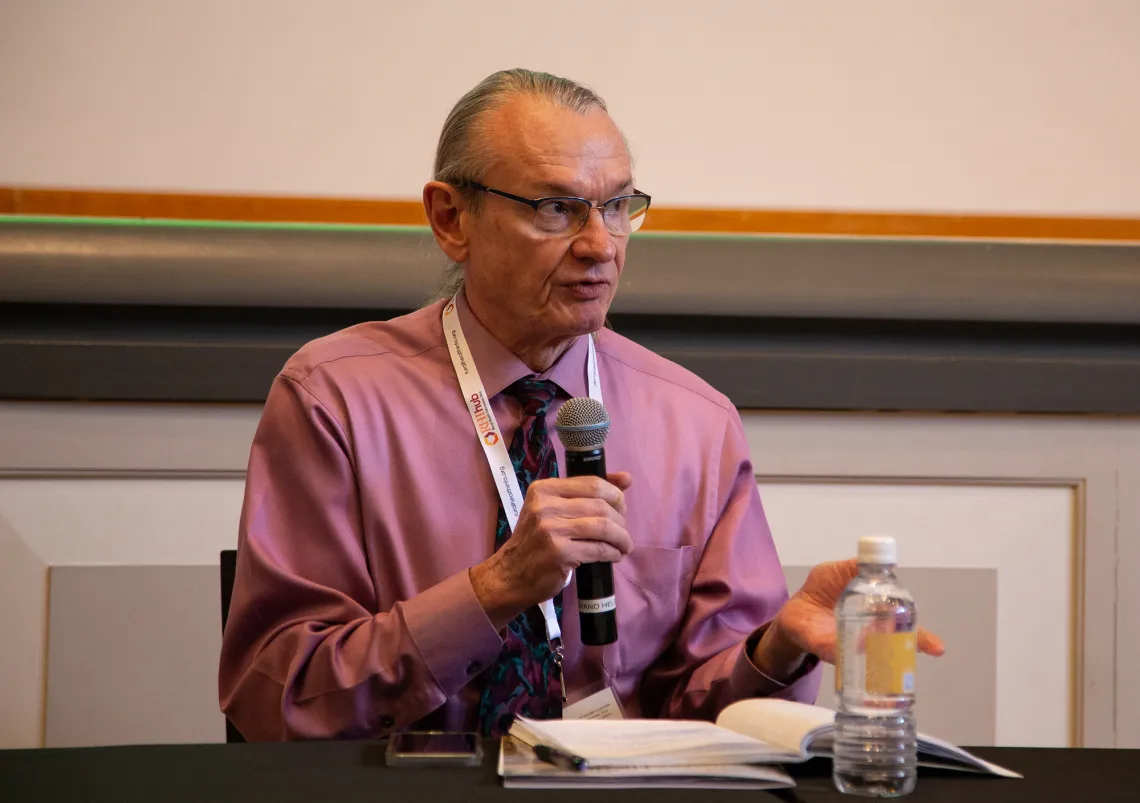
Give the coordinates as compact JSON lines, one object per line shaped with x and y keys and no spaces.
{"x":625,"y":187}
{"x":554,"y":190}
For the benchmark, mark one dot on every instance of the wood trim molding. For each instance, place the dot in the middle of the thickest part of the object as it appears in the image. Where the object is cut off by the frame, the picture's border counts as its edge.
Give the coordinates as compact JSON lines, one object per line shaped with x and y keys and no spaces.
{"x":86,"y":203}
{"x":886,"y":224}
{"x":179,"y":206}
{"x":8,"y":201}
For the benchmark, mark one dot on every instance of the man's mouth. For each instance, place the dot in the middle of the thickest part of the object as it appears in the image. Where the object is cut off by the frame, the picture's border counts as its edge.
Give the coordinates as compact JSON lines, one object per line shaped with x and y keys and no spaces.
{"x":588,"y":289}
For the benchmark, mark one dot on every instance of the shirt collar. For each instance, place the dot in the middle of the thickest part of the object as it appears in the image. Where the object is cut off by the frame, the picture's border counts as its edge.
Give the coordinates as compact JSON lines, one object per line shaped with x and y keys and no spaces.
{"x":499,"y":368}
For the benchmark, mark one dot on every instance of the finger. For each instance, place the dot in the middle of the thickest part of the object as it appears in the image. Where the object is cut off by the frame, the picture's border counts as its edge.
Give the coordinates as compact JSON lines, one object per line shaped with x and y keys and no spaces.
{"x":560,"y":510}
{"x":930,"y":643}
{"x":826,"y":581}
{"x":580,"y":552}
{"x":598,"y":528}
{"x":622,"y":479}
{"x":582,"y":488}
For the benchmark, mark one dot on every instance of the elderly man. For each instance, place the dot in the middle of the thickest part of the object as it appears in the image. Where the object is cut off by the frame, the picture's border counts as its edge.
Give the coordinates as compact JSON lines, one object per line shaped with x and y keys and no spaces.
{"x":384,"y":579}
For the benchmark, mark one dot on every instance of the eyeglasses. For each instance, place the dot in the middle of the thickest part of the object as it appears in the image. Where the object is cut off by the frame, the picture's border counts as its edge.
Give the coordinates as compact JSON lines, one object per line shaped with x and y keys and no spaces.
{"x":567,"y":216}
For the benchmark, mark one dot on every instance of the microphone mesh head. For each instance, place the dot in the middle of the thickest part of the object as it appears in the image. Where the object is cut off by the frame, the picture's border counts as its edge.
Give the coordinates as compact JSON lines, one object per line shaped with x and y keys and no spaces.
{"x":582,"y":424}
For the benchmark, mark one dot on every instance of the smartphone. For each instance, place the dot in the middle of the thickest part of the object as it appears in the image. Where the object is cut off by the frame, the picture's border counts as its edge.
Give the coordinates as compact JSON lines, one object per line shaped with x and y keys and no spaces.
{"x":434,"y":749}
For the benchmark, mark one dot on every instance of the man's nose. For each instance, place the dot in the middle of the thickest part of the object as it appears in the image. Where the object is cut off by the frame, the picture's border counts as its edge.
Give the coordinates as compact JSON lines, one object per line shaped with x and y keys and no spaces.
{"x":594,"y":241}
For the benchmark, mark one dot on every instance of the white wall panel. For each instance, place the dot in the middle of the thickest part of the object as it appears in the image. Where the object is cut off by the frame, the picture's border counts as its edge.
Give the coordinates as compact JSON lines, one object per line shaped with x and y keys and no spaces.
{"x":1025,"y":533}
{"x":125,"y":522}
{"x":23,"y":636}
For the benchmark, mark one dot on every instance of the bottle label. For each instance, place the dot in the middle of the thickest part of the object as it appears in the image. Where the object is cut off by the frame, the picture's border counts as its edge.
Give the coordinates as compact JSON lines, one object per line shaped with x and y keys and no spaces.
{"x":603,"y":605}
{"x":890,"y":662}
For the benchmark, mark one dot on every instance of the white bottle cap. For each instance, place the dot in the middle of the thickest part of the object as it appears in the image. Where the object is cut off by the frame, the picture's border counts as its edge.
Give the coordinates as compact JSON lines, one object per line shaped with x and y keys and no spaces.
{"x":879,"y":549}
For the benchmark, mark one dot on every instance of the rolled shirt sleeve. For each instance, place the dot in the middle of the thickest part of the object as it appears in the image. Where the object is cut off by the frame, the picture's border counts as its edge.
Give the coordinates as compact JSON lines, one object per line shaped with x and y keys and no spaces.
{"x":306,"y":653}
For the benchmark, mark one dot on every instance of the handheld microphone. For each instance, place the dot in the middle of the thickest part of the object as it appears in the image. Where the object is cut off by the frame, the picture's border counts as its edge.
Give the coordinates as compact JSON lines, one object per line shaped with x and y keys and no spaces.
{"x":582,"y":426}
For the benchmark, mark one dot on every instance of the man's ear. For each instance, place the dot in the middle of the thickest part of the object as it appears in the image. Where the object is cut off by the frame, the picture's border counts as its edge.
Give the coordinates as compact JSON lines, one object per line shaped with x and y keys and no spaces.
{"x":445,"y":207}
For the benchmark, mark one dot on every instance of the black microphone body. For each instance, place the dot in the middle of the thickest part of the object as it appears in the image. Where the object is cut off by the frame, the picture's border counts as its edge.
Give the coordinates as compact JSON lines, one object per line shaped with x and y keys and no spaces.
{"x":597,"y":606}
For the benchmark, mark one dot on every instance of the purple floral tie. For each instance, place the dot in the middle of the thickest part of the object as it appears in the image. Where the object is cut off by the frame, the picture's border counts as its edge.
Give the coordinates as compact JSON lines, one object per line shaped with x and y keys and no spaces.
{"x":525,"y":678}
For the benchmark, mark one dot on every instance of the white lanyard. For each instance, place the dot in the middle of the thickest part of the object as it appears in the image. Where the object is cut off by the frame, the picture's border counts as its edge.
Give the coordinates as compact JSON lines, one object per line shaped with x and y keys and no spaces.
{"x":479,"y":406}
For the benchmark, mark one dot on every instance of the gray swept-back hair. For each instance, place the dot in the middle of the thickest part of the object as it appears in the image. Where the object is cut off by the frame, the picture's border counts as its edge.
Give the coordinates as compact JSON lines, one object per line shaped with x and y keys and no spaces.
{"x":463,"y":153}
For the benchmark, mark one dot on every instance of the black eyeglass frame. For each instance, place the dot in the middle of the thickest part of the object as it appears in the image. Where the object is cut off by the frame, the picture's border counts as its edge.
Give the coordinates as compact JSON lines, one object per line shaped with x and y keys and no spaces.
{"x":534,"y":203}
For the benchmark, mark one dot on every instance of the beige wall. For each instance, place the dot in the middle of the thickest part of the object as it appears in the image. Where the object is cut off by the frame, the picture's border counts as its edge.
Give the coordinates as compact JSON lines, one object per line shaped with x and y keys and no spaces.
{"x":1017,"y":106}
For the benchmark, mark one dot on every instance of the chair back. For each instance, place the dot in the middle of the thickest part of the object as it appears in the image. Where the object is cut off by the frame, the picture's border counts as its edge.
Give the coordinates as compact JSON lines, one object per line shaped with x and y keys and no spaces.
{"x":227,"y":569}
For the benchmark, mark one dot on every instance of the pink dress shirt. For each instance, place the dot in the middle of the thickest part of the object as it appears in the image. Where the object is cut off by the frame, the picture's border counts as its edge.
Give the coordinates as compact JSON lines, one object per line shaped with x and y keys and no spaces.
{"x":368,"y":498}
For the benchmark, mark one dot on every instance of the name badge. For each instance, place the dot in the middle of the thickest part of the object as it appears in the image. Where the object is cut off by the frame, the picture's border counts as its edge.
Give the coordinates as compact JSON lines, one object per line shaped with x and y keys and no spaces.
{"x":601,"y":705}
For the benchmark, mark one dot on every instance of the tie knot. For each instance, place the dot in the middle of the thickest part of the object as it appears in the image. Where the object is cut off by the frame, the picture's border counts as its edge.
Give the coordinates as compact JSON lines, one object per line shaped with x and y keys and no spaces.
{"x":535,"y":394}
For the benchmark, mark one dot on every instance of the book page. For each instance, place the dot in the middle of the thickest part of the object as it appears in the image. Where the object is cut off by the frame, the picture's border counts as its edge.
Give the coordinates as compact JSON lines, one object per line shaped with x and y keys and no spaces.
{"x":787,"y":725}
{"x":807,"y":730}
{"x":956,"y":755}
{"x":644,"y":742}
{"x":520,"y":768}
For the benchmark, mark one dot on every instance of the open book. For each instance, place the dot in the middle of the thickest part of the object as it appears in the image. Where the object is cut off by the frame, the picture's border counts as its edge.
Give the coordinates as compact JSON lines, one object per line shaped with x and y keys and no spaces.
{"x":803,"y":731}
{"x":748,"y":732}
{"x":520,"y":768}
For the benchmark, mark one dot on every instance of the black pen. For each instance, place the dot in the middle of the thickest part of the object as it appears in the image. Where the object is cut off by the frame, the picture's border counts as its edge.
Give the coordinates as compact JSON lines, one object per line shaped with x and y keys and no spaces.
{"x":556,"y":757}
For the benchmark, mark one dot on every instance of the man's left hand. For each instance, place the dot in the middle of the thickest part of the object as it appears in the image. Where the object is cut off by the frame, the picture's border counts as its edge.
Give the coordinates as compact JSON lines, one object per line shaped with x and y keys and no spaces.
{"x":806,"y":624}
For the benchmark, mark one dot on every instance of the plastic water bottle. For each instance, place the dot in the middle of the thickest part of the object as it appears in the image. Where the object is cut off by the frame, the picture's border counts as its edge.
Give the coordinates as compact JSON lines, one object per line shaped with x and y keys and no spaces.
{"x":876,"y":748}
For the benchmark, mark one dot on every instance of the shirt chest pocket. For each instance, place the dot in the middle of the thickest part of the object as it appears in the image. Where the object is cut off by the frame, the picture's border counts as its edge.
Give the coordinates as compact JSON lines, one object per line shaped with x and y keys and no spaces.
{"x":652,"y":587}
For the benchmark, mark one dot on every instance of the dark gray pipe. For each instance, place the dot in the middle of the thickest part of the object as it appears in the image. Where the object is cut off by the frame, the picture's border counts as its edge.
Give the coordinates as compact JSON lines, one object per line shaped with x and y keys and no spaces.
{"x":397,"y":268}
